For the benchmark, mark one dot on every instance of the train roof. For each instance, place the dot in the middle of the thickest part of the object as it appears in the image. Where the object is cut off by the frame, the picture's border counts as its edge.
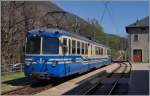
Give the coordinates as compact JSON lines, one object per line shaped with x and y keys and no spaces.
{"x":60,"y":32}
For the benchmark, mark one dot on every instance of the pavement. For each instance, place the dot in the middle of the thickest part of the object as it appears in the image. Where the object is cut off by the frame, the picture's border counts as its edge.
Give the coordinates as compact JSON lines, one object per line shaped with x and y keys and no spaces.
{"x":139,"y":79}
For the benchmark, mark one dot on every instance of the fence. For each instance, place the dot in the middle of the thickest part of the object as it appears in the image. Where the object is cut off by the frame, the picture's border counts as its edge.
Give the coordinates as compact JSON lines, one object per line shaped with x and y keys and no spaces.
{"x":12,"y":68}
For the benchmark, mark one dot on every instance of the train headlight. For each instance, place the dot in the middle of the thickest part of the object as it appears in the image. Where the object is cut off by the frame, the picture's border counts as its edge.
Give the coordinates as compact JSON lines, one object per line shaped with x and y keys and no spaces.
{"x":27,"y":63}
{"x":54,"y":63}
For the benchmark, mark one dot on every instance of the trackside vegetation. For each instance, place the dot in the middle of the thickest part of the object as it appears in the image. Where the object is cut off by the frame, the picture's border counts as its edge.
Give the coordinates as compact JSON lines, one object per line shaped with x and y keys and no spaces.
{"x":101,"y":37}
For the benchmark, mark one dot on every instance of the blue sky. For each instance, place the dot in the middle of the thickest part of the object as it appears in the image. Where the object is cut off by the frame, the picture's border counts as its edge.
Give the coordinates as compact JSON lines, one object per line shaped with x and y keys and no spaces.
{"x":122,"y":13}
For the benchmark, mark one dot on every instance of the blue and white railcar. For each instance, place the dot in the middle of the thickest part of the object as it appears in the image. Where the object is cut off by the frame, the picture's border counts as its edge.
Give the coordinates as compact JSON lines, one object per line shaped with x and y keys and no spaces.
{"x":57,"y":53}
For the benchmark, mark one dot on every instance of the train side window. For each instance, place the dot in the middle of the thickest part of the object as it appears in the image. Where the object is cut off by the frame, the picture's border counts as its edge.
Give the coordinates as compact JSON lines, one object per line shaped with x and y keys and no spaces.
{"x":105,"y":51}
{"x":50,"y":45}
{"x":65,"y":49}
{"x":96,"y":49}
{"x":108,"y":52}
{"x":86,"y":48}
{"x":65,"y":41}
{"x":101,"y":51}
{"x":78,"y":47}
{"x":98,"y":53}
{"x":82,"y":48}
{"x":73,"y":47}
{"x":69,"y":46}
{"x":91,"y":50}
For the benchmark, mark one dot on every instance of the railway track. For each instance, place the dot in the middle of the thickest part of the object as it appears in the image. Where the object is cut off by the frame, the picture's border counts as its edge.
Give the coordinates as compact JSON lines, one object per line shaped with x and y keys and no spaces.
{"x":38,"y":86}
{"x":34,"y":87}
{"x":25,"y":84}
{"x":108,"y":85}
{"x":105,"y":85}
{"x":103,"y":88}
{"x":26,"y":90}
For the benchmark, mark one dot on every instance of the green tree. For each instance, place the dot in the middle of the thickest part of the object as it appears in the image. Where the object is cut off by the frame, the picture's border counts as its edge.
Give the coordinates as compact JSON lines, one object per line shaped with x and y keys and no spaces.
{"x":96,"y":32}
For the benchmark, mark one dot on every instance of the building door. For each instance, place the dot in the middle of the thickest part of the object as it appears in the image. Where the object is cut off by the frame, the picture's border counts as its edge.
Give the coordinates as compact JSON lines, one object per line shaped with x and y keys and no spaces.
{"x":137,"y":55}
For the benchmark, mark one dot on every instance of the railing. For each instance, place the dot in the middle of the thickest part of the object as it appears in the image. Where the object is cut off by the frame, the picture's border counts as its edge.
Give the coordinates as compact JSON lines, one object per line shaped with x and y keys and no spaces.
{"x":12,"y":68}
{"x":120,"y":58}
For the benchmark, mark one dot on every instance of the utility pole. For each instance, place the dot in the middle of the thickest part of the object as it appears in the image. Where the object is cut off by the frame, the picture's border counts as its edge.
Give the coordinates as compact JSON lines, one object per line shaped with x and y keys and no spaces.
{"x":77,"y":26}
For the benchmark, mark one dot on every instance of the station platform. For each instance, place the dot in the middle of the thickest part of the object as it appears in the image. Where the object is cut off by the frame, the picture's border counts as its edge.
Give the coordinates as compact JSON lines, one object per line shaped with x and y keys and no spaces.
{"x":68,"y":85}
{"x":139,"y":79}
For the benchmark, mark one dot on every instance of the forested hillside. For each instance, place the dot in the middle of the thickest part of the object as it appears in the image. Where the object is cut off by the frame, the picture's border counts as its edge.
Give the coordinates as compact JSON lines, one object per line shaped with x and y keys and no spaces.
{"x":18,"y":17}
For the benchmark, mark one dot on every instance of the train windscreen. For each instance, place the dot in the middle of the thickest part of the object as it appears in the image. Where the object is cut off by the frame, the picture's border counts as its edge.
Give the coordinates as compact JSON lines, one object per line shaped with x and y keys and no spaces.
{"x":50,"y":45}
{"x":33,"y":45}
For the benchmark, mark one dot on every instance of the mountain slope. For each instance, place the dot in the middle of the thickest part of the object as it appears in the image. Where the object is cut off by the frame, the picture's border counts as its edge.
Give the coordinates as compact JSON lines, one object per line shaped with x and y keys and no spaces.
{"x":18,"y":17}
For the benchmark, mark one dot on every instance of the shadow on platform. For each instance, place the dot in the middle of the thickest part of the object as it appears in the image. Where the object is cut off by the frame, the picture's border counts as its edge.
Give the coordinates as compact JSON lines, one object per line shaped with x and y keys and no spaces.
{"x":136,"y":83}
{"x":18,"y":82}
{"x":139,"y":82}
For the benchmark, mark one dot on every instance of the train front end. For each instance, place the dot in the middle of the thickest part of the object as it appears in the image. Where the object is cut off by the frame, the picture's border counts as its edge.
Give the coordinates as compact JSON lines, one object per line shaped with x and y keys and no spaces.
{"x":42,"y":49}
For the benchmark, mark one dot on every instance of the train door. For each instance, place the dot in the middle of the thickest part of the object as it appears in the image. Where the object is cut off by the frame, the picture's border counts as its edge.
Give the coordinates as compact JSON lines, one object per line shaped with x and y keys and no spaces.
{"x":66,"y":68}
{"x":137,"y":55}
{"x":65,"y":53}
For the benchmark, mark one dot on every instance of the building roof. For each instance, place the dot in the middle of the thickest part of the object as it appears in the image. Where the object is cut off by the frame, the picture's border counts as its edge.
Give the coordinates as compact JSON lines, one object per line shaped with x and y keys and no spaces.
{"x":140,"y":23}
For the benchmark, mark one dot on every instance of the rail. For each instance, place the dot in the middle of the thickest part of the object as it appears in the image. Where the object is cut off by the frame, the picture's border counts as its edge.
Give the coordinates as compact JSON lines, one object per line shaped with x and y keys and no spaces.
{"x":116,"y":82}
{"x":120,"y":59}
{"x":100,"y":85}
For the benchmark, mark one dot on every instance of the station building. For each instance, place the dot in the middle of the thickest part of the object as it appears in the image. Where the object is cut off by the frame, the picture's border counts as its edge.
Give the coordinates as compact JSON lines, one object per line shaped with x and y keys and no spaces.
{"x":138,"y":40}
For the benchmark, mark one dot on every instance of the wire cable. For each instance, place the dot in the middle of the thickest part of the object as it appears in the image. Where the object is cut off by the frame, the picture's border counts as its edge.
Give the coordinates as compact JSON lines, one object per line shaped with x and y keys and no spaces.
{"x":110,"y":13}
{"x":104,"y":11}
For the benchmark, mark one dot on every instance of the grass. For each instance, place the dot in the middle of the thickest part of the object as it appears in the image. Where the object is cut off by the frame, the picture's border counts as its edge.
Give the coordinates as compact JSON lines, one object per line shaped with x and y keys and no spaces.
{"x":12,"y":76}
{"x":12,"y":80}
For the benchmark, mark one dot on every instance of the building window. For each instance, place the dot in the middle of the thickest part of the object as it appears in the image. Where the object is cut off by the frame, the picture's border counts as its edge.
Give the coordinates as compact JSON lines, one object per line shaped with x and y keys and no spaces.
{"x":143,"y":29}
{"x":135,"y":37}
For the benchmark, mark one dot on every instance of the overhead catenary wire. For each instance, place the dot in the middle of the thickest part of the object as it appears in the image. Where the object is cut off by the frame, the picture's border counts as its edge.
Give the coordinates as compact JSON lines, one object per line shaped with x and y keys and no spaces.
{"x":105,"y":4}
{"x":113,"y":20}
{"x":102,"y":17}
{"x":110,"y":13}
